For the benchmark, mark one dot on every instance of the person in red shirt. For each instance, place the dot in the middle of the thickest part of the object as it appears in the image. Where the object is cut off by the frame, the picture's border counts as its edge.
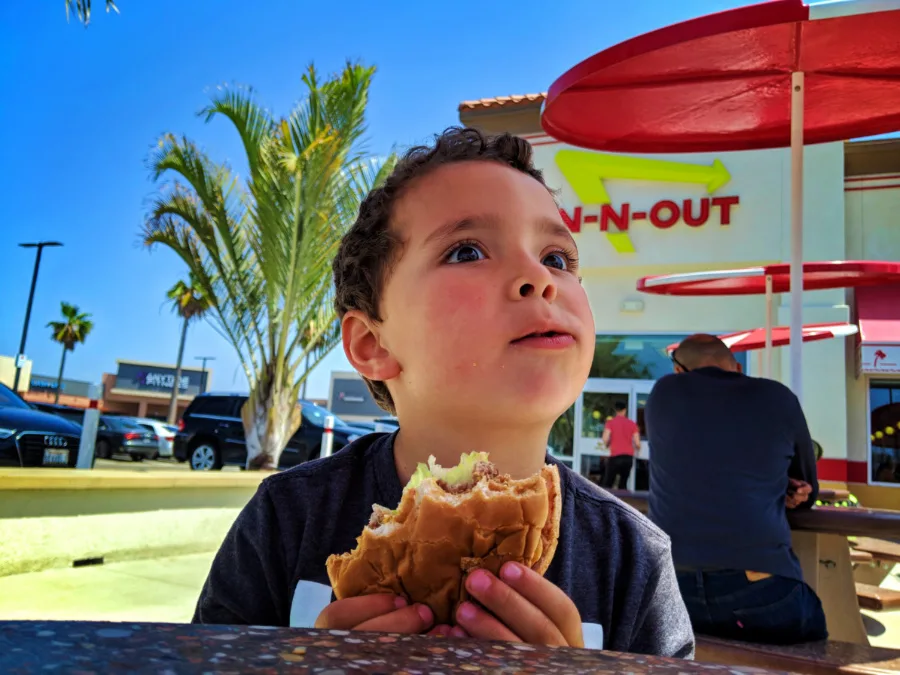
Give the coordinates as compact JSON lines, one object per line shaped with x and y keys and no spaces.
{"x":623,"y":438}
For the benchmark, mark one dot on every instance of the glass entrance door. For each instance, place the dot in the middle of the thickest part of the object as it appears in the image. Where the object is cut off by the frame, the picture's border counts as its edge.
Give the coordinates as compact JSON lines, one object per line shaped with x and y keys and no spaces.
{"x":593,"y":409}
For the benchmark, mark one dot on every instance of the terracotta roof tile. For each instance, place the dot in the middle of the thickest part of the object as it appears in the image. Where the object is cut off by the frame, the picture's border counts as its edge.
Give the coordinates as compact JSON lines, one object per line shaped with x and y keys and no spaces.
{"x":515,"y":101}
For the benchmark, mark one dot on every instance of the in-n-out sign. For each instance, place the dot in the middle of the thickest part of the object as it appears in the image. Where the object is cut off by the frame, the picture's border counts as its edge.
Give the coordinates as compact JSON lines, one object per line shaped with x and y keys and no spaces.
{"x":586,"y":171}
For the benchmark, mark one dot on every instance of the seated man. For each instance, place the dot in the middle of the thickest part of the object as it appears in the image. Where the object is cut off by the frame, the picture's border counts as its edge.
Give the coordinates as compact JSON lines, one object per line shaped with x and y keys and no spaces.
{"x":728,"y":454}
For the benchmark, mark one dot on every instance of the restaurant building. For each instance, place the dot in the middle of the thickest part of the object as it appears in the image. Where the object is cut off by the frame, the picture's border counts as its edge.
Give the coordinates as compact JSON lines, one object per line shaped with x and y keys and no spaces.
{"x":668,"y":214}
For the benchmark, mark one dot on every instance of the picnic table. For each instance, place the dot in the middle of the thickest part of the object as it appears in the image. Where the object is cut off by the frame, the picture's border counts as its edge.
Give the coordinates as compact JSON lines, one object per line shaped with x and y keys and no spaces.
{"x":101,"y":648}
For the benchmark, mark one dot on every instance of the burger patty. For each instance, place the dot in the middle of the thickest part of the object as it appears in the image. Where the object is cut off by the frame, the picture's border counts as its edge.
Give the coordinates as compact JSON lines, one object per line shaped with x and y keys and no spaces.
{"x":380,"y":515}
{"x":481,"y":471}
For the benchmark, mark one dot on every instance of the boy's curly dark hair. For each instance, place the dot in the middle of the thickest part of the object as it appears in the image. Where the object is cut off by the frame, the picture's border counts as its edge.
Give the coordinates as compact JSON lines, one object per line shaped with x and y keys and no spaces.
{"x":370,"y":248}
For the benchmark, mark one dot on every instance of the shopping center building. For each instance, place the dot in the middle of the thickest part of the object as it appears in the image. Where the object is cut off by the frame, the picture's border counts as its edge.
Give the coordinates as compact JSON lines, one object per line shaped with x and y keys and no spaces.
{"x":684,"y":213}
{"x":136,"y":388}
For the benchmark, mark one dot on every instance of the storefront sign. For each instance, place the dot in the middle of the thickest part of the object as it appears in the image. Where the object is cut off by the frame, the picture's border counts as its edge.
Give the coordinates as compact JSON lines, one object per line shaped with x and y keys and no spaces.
{"x":880,"y":359}
{"x":47,"y":384}
{"x":167,"y":380}
{"x":140,"y":377}
{"x":586,"y":172}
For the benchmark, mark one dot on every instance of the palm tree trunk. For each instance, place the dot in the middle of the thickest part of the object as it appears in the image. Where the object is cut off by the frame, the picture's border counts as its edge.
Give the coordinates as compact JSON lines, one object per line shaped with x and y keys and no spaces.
{"x":173,"y":404}
{"x":62,"y":365}
{"x":265,"y":439}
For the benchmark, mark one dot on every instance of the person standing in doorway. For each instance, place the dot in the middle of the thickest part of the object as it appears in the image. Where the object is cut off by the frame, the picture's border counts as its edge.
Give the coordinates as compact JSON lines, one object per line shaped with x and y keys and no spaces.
{"x":622,"y":437}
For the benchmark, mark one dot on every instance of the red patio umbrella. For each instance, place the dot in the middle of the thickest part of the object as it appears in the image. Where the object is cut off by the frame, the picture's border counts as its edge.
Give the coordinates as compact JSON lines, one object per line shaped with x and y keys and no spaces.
{"x":770,"y":279}
{"x":754,"y":339}
{"x":738,"y":80}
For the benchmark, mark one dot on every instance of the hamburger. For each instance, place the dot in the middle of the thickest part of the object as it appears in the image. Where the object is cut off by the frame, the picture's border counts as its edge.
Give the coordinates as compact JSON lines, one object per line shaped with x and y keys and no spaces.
{"x":449,"y":522}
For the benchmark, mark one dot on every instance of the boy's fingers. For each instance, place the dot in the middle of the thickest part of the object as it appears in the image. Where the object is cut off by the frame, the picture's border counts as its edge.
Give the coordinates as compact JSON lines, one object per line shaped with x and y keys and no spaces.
{"x":548,"y":598}
{"x":482,"y":626}
{"x":350,"y":612}
{"x":522,"y":617}
{"x":413,"y":619}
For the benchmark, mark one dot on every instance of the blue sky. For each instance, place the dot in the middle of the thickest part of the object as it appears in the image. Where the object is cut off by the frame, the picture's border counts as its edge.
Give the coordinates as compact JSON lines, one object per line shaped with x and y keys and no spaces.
{"x":82,"y":108}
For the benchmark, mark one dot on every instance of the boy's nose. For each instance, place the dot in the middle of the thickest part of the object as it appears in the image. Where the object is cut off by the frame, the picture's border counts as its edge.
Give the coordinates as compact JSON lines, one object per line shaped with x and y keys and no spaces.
{"x":539,"y":283}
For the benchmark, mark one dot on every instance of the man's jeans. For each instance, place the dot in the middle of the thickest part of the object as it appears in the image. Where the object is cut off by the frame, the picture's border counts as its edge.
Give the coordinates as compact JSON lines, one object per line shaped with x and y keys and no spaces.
{"x":775,"y":610}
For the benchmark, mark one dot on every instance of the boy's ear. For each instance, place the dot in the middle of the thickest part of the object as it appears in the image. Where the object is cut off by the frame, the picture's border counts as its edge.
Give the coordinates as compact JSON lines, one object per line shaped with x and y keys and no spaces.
{"x":363,"y":348}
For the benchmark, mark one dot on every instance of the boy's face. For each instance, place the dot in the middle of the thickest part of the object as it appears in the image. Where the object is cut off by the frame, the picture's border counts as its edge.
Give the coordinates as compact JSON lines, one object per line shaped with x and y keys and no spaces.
{"x":486,"y":261}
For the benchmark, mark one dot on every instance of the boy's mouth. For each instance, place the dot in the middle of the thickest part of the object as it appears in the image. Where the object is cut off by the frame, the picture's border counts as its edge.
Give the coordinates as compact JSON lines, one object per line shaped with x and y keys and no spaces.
{"x":549,"y":334}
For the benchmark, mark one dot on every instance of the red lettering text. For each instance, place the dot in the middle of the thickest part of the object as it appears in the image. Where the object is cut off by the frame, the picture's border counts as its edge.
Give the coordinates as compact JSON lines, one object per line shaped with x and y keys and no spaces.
{"x":573,"y":222}
{"x":620,"y":220}
{"x":663,"y":214}
{"x":688,"y":212}
{"x":725,"y":204}
{"x":674,"y":214}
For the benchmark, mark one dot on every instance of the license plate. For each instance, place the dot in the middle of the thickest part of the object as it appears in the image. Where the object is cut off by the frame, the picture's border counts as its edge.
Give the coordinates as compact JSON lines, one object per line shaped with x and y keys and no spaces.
{"x":56,"y":457}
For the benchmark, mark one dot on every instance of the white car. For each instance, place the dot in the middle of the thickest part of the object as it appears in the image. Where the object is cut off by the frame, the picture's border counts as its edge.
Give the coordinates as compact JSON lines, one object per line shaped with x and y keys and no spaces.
{"x":165,"y":432}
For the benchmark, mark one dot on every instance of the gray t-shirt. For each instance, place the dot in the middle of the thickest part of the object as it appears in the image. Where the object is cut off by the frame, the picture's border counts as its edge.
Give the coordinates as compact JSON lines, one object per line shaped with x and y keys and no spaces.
{"x":611,"y":560}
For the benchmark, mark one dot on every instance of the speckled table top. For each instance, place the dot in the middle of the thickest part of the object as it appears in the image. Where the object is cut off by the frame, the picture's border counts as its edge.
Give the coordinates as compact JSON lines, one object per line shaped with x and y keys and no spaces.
{"x":81,"y":648}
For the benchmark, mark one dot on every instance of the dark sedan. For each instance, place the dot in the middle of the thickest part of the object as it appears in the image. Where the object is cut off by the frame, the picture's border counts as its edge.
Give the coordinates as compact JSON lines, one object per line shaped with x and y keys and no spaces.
{"x":31,"y":438}
{"x":122,"y":436}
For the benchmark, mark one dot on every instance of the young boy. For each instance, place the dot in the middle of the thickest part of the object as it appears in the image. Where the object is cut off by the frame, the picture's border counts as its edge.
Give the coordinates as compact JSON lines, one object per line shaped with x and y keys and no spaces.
{"x":461,"y":306}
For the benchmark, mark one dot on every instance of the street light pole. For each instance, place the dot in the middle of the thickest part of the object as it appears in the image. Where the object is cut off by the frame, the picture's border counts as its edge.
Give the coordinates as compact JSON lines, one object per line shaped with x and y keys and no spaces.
{"x":39,"y":245}
{"x":204,"y":359}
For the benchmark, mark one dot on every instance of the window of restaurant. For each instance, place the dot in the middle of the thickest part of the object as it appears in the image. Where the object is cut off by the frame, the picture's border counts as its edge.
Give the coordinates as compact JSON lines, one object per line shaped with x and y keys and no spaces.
{"x":884,"y":431}
{"x":624,"y":369}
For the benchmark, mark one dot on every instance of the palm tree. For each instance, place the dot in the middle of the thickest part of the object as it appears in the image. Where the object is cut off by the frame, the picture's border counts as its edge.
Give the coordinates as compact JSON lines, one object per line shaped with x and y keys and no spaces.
{"x":82,"y":9}
{"x":73,"y":330}
{"x":189,"y":303}
{"x":260,"y":248}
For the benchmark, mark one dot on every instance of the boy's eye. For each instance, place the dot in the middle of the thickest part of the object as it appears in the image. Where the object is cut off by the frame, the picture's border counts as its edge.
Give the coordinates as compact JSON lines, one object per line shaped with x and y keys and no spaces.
{"x":556,"y":260}
{"x":465,"y":253}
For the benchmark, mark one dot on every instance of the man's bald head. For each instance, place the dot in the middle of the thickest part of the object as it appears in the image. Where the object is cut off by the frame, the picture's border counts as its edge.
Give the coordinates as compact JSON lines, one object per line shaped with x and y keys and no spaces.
{"x":702,"y":351}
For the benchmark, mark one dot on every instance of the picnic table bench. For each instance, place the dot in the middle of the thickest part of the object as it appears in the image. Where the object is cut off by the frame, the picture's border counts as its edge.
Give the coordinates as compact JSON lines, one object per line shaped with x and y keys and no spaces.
{"x":819,"y":538}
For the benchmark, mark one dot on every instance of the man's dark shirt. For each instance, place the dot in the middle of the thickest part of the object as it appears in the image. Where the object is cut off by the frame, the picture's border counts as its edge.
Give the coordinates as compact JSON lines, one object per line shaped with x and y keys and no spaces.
{"x":722,"y":446}
{"x":611,"y":560}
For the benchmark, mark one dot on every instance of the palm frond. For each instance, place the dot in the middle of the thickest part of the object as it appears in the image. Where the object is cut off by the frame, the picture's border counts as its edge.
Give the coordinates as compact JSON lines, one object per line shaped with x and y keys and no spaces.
{"x":73,"y":330}
{"x":82,"y":9}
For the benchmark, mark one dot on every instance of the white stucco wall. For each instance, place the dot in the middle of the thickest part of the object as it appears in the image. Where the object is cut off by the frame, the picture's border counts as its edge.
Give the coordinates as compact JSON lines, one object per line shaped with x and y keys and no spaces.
{"x":759,"y":232}
{"x":872,"y":232}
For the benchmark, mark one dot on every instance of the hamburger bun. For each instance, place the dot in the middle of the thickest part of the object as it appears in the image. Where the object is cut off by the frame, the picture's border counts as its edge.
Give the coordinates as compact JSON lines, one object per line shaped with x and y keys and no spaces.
{"x":449,"y":522}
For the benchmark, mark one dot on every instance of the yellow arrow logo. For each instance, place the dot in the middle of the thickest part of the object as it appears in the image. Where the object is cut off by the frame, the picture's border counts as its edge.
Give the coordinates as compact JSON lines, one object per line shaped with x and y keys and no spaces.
{"x":586,"y":171}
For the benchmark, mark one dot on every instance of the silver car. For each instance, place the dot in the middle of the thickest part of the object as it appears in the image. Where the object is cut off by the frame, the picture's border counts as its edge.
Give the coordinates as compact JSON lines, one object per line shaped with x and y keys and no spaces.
{"x":165,"y":433}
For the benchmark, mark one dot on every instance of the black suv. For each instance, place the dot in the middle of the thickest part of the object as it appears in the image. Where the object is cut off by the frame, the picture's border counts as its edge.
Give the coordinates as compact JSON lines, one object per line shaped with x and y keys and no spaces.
{"x":30,"y":438}
{"x":211,"y":434}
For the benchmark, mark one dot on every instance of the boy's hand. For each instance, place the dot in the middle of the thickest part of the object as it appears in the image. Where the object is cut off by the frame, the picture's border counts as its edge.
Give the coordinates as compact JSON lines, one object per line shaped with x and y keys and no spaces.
{"x":383,"y":613}
{"x":523,"y":606}
{"x":446,"y":631}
